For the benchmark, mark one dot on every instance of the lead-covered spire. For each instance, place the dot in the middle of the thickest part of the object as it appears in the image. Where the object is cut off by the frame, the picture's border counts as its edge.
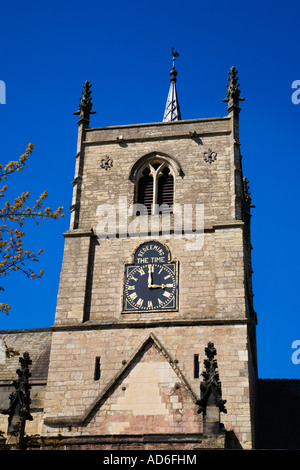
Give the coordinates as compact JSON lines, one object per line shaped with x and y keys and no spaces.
{"x":172,"y":111}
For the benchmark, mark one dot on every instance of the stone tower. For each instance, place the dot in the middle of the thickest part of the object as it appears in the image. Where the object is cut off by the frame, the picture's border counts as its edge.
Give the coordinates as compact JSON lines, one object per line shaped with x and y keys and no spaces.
{"x":155,"y":328}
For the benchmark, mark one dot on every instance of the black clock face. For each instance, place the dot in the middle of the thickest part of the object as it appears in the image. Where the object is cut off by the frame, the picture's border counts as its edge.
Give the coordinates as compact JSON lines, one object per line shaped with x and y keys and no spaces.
{"x":150,"y":287}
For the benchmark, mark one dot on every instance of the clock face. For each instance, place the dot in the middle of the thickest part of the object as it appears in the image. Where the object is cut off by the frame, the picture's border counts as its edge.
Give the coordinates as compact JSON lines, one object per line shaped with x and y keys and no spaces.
{"x":150,"y":287}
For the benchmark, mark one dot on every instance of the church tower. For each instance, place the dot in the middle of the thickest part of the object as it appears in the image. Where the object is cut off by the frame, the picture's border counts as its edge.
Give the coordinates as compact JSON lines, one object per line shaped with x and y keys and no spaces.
{"x":153,"y":345}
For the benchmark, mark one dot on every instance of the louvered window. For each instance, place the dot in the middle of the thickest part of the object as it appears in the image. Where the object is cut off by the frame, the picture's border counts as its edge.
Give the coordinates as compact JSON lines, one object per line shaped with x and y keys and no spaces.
{"x":156,"y":188}
{"x":145,"y":190}
{"x":165,"y":190}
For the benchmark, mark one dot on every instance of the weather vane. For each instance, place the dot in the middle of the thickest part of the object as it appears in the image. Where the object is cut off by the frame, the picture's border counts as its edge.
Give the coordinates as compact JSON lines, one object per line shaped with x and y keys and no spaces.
{"x":174,"y":54}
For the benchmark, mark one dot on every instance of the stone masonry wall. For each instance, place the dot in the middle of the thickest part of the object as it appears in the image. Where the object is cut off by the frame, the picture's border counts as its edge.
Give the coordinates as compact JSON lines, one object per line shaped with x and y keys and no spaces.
{"x":210,"y":279}
{"x":209,"y":276}
{"x":71,"y":388}
{"x":157,"y":392}
{"x":13,"y":344}
{"x":200,"y":182}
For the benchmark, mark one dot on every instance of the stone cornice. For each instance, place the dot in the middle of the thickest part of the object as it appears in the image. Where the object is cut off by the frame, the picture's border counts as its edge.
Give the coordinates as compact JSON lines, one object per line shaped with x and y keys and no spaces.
{"x":209,"y":227}
{"x":138,"y":323}
{"x":79,"y":233}
{"x":192,"y":129}
{"x":119,"y":324}
{"x":152,"y":124}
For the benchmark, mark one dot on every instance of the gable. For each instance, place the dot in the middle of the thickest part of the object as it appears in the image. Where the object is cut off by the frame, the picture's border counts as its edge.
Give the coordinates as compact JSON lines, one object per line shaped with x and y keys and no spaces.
{"x":148,"y":395}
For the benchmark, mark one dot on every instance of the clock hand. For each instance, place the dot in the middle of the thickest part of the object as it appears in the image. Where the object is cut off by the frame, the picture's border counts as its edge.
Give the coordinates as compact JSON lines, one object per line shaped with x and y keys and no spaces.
{"x":153,"y":286}
{"x":163,"y":286}
{"x":149,"y":275}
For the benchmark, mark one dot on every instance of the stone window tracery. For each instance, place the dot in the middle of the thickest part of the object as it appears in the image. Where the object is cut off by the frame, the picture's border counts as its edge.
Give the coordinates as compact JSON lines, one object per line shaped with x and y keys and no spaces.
{"x":155,"y":187}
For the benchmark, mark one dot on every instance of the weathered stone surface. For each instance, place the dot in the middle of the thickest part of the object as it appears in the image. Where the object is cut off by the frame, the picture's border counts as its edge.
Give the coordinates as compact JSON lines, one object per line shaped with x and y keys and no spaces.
{"x":14,"y":344}
{"x":147,"y":385}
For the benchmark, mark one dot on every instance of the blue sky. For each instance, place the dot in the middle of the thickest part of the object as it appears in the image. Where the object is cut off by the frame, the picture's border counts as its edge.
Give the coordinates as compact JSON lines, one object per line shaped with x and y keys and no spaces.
{"x":123,"y":48}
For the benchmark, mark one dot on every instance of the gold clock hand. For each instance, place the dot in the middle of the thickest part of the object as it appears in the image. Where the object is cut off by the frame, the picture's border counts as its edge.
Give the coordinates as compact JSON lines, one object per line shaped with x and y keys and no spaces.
{"x":149,"y":275}
{"x":163,"y":286}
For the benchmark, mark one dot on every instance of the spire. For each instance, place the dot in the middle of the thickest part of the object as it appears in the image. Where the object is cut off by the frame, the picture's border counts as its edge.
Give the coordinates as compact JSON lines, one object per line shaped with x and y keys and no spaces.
{"x":172,"y":111}
{"x":85,"y":105}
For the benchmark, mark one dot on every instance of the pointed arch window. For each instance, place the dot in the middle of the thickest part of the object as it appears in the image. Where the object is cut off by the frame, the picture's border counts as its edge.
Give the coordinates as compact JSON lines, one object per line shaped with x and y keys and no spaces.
{"x":145,"y":189}
{"x":155,"y":187}
{"x":165,"y":187}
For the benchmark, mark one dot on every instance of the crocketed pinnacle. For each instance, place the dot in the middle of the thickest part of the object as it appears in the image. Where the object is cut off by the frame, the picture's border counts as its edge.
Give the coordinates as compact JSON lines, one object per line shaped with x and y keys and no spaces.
{"x":85,"y":105}
{"x":233,"y":92}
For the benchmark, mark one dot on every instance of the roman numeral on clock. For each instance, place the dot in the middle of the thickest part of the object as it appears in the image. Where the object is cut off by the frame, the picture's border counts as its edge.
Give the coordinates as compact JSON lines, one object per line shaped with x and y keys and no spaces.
{"x":133,"y":295}
{"x":140,"y":302}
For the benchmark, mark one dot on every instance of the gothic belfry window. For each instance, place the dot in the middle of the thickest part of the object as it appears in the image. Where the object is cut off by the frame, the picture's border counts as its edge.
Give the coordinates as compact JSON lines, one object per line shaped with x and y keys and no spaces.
{"x":165,"y":188}
{"x":155,"y":187}
{"x":145,"y":189}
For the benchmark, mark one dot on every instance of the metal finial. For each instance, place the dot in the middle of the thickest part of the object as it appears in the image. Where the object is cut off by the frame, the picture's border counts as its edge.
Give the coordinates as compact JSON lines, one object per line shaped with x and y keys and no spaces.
{"x":172,"y":109}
